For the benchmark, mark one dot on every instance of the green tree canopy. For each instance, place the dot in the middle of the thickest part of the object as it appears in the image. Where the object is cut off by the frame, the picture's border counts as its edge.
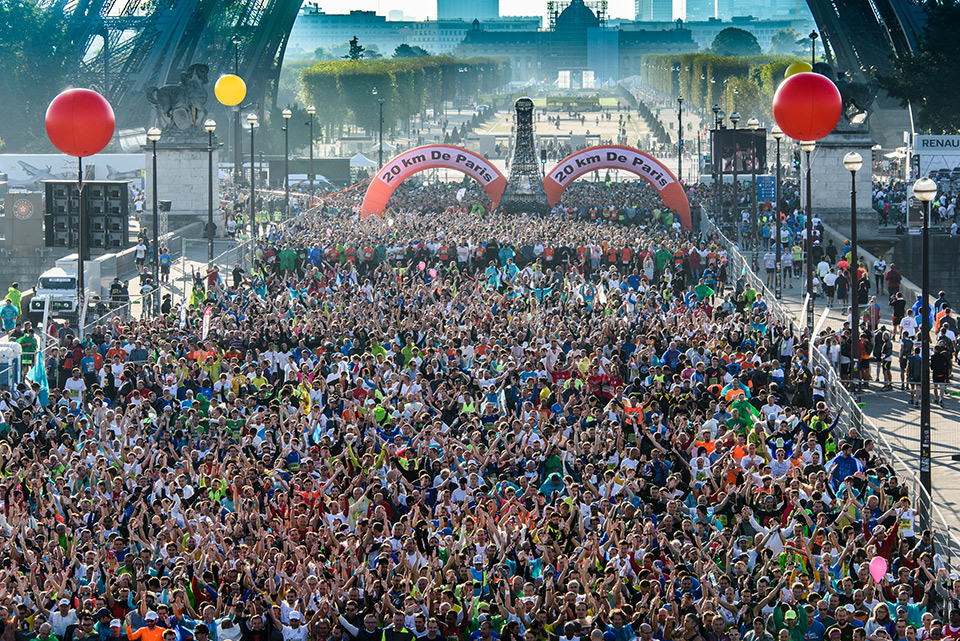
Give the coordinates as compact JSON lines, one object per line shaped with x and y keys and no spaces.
{"x":735,"y":42}
{"x":406,"y":51}
{"x":787,"y":42}
{"x":35,"y":55}
{"x":924,"y":78}
{"x":744,"y":84}
{"x":343,"y":90}
{"x":356,"y":53}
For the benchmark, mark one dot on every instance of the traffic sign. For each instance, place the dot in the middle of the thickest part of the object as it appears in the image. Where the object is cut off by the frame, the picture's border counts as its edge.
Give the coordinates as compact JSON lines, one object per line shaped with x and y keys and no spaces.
{"x":766,"y":189}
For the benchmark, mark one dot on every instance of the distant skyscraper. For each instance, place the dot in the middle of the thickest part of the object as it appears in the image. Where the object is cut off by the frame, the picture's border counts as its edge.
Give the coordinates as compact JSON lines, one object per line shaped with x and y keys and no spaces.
{"x":663,"y":10}
{"x":762,"y":9}
{"x":654,"y":10}
{"x":468,"y":9}
{"x":698,"y":10}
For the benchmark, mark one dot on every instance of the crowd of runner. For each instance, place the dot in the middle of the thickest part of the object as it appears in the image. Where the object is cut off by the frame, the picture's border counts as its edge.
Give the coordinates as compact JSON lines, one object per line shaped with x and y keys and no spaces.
{"x":448,"y":423}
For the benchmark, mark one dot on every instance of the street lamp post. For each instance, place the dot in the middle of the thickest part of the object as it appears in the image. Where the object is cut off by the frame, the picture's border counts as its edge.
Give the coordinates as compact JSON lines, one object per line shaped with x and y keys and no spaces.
{"x":715,"y":160}
{"x":807,"y":146}
{"x":925,"y":190}
{"x":311,"y":110}
{"x":699,"y":156}
{"x":287,"y":114}
{"x":153,"y":135}
{"x":380,"y":144}
{"x":679,"y":138}
{"x":735,"y":118}
{"x":778,"y":273}
{"x":237,"y":127}
{"x":253,"y":121}
{"x":813,"y":47}
{"x":752,"y":125}
{"x":852,"y":162}
{"x":210,"y":126}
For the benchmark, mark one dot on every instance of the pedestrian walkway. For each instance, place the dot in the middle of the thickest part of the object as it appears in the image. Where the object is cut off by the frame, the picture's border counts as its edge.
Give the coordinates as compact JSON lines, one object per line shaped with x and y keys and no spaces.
{"x":180,"y":284}
{"x":892,"y":413}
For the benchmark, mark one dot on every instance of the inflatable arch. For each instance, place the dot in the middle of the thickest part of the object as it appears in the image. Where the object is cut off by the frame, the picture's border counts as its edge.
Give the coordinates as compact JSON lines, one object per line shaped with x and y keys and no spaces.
{"x":627,"y":159}
{"x":430,"y":157}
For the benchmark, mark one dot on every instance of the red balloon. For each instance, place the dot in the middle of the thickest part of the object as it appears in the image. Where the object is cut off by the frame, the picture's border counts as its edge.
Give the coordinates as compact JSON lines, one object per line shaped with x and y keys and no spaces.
{"x":80,"y":122}
{"x":807,"y":106}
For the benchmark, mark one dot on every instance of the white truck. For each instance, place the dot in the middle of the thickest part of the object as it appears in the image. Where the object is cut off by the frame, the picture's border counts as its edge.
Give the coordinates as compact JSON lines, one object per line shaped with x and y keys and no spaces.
{"x":60,"y":287}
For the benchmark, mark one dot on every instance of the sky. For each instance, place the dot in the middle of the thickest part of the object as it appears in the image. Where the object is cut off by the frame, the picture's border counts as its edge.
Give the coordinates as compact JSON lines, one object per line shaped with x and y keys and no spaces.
{"x":422,"y":9}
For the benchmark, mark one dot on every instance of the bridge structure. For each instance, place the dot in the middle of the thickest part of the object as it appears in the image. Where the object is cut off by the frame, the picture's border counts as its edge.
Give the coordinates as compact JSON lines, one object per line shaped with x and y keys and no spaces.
{"x":861,"y":35}
{"x":126,"y":46}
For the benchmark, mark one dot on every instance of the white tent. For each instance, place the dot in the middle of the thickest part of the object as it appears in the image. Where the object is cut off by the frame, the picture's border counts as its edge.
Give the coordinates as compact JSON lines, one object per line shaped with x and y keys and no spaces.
{"x":386,"y":146}
{"x":362,"y":161}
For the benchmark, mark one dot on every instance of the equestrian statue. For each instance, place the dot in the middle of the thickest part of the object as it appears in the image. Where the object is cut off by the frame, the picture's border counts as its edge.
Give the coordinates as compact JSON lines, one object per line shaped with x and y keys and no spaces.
{"x":182,"y":106}
{"x":856,"y":97}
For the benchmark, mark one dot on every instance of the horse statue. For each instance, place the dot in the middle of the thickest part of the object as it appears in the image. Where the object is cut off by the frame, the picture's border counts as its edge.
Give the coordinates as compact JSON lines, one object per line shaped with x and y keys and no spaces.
{"x":182,"y":106}
{"x":856,"y":97}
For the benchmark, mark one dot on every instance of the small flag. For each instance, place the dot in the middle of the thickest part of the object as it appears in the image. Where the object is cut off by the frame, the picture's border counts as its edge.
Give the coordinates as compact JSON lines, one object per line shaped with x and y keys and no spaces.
{"x":38,"y":374}
{"x":206,"y":323}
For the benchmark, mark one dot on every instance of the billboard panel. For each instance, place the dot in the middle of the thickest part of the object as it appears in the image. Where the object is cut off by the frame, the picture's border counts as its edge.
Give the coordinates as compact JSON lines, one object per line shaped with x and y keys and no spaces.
{"x":745,"y":147}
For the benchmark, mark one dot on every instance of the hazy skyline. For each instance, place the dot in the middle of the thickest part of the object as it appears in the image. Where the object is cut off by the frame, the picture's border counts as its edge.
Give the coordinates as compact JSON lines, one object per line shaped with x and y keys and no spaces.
{"x":423,"y":9}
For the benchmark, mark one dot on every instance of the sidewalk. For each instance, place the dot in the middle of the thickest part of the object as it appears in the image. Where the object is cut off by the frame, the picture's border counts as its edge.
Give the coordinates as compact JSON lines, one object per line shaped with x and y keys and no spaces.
{"x":180,"y":285}
{"x":895,"y":417}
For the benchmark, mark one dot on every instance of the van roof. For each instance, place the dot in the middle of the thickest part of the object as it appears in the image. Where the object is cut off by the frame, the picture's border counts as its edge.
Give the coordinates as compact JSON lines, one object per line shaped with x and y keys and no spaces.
{"x":59,"y":272}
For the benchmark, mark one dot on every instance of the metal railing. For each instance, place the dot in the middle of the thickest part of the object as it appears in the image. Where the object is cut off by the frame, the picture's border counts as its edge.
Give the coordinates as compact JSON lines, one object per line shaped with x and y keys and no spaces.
{"x":836,"y":395}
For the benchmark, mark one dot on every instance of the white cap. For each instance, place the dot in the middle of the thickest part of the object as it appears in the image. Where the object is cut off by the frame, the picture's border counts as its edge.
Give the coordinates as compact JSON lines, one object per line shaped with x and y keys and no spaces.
{"x":116,"y":623}
{"x":151,"y":616}
{"x":64,"y":602}
{"x":295,"y":616}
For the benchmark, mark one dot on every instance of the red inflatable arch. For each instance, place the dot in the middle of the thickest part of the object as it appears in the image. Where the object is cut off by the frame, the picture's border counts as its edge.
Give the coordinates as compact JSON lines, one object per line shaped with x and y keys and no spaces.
{"x":430,"y":157}
{"x":627,"y":159}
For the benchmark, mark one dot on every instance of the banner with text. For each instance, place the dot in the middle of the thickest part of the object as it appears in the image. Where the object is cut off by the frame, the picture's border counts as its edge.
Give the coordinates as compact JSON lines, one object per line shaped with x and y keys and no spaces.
{"x":626,"y":159}
{"x":936,"y":153}
{"x":431,"y":157}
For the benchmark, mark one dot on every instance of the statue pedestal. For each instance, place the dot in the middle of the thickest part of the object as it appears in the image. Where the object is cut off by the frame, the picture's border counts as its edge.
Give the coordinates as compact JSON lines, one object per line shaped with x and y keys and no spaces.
{"x":831,"y":182}
{"x":183,"y":179}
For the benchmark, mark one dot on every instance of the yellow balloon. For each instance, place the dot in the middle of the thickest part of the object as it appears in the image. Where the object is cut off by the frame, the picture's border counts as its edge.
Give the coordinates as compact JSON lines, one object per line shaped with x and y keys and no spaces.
{"x":230,"y":90}
{"x":797,"y":67}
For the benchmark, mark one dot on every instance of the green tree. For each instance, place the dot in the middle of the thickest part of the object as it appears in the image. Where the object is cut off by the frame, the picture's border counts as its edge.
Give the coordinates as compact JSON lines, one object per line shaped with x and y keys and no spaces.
{"x":735,"y":42}
{"x":406,"y":51}
{"x":320,"y":54}
{"x":36,"y":57}
{"x":743,"y":95}
{"x":924,"y":78}
{"x":787,"y":42}
{"x":343,"y":91}
{"x":356,"y":52}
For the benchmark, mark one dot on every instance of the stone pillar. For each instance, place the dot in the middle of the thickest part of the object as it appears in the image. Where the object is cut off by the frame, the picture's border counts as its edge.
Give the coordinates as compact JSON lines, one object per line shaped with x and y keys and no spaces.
{"x":831,"y":182}
{"x":183,"y":180}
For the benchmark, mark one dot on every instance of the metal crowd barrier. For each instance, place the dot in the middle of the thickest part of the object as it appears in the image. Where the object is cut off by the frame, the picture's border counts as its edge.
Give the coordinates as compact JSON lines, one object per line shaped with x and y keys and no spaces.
{"x":946,"y":539}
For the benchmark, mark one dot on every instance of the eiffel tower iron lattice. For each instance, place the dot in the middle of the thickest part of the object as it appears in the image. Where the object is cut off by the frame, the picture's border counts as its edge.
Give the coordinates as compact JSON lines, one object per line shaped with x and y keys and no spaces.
{"x":524,"y":191}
